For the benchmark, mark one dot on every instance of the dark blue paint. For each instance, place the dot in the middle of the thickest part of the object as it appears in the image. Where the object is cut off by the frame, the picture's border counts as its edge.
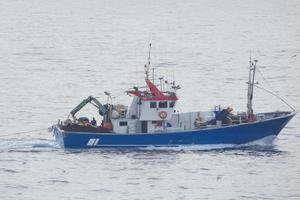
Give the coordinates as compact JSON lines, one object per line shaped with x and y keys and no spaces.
{"x":236,"y":134}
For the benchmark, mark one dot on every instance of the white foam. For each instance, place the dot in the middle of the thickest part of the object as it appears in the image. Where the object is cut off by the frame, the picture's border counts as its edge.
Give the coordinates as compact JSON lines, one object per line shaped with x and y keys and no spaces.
{"x":192,"y":147}
{"x":264,"y":142}
{"x":27,"y":144}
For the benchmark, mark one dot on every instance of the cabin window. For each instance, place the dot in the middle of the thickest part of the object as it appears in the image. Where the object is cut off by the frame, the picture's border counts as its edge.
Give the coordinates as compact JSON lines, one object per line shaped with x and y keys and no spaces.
{"x":163,"y":104}
{"x":172,"y":104}
{"x":153,"y":105}
{"x":124,"y":123}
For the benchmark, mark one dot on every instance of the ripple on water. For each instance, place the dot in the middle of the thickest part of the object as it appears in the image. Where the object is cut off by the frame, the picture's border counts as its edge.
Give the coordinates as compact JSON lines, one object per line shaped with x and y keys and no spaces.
{"x":16,"y":186}
{"x":58,"y":181}
{"x":101,"y":190}
{"x":8,"y":170}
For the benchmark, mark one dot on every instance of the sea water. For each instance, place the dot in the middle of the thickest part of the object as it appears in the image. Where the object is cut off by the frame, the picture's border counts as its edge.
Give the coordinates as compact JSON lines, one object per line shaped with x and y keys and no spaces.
{"x":55,"y":53}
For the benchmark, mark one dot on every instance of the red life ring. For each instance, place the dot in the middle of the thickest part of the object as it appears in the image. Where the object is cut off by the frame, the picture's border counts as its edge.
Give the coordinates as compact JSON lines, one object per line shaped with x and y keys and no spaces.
{"x":163,"y":114}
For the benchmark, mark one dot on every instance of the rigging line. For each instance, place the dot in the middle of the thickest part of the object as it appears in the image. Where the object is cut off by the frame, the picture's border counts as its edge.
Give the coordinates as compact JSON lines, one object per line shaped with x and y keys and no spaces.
{"x":265,"y":80}
{"x":118,"y":95}
{"x":17,"y":133}
{"x":272,"y":93}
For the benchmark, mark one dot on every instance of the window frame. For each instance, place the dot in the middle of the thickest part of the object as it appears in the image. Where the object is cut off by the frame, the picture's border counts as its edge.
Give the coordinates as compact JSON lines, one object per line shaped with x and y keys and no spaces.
{"x":163,"y":104}
{"x":152,"y":103}
{"x":123,"y":123}
{"x":172,"y":103}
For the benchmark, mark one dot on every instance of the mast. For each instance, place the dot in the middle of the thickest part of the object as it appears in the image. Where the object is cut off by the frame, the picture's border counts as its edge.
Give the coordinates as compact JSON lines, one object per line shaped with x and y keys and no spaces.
{"x":153,"y":74}
{"x":251,"y":83}
{"x":147,"y":66}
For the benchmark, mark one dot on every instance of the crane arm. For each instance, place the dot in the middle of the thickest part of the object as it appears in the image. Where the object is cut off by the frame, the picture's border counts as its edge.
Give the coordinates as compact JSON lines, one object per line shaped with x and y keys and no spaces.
{"x":102,"y":108}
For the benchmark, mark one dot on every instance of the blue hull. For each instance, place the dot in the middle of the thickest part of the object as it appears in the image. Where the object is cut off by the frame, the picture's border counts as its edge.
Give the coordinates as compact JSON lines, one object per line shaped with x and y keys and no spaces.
{"x":235,"y":134}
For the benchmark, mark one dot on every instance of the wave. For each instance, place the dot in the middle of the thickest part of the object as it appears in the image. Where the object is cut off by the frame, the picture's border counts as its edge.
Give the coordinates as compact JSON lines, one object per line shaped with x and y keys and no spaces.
{"x":27,"y":145}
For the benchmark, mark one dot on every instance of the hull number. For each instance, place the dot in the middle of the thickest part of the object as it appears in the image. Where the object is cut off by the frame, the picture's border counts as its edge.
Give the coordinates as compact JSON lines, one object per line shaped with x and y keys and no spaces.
{"x":93,"y":142}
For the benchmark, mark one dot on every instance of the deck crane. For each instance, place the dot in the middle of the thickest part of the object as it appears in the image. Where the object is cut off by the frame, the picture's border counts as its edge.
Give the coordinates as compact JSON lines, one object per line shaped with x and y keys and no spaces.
{"x":102,"y":109}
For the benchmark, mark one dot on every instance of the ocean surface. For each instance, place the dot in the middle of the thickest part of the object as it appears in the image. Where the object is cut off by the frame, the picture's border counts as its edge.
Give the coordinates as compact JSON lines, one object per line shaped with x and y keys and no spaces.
{"x":55,"y":53}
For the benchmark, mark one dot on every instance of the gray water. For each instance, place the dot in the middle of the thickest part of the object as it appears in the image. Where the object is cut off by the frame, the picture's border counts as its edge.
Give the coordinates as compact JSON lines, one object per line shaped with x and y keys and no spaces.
{"x":55,"y":53}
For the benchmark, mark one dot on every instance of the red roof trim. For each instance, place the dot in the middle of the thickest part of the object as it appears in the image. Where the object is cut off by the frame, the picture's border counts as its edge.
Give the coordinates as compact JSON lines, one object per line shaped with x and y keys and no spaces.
{"x":154,"y":89}
{"x":155,"y":95}
{"x":160,"y":99}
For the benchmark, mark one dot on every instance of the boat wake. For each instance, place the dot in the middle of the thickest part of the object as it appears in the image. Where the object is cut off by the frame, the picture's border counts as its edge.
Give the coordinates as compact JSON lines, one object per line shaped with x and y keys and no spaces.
{"x":264,"y":143}
{"x":36,"y":145}
{"x":27,"y":145}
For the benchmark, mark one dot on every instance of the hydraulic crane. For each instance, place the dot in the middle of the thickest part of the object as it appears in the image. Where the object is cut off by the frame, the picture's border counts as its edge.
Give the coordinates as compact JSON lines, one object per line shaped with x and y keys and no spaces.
{"x":102,"y":109}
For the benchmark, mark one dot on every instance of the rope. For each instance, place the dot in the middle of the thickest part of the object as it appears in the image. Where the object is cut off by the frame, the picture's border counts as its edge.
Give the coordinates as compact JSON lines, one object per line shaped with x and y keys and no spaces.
{"x":266,"y":81}
{"x":118,"y":95}
{"x":276,"y":96}
{"x":272,"y":92}
{"x":23,"y":132}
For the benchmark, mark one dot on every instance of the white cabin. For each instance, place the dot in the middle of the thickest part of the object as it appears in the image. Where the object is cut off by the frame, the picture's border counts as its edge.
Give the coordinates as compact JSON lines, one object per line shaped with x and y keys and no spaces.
{"x":153,"y":111}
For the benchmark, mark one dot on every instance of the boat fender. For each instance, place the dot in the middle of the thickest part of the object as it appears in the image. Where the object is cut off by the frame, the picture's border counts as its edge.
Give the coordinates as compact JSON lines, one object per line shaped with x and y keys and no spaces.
{"x":163,"y":114}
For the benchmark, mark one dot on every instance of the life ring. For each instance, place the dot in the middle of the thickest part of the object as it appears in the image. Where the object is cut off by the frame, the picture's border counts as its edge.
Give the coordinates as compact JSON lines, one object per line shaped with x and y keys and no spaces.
{"x":163,"y":114}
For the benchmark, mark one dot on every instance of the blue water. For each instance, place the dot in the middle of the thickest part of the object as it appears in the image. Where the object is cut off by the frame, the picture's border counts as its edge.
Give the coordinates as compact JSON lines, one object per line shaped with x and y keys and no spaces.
{"x":55,"y":53}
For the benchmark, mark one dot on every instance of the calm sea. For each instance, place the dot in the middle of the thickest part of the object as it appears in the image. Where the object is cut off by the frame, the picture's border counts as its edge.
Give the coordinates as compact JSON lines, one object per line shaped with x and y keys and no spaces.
{"x":55,"y":53}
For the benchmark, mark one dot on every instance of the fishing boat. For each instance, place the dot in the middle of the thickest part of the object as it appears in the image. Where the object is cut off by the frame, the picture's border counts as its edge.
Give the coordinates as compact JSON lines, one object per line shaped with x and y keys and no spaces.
{"x":151,"y":120}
